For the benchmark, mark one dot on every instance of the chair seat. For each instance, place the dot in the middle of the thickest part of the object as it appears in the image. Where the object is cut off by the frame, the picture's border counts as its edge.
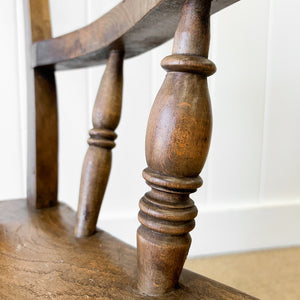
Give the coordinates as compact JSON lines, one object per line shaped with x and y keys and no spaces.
{"x":41,"y":259}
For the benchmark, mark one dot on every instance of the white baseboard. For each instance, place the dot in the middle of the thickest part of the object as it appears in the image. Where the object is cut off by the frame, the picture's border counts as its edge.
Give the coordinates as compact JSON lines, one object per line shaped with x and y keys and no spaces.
{"x":228,"y":230}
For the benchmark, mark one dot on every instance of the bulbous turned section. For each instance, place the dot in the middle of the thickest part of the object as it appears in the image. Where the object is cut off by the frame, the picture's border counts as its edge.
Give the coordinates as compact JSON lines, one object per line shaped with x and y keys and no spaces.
{"x":177,"y":144}
{"x":97,"y":162}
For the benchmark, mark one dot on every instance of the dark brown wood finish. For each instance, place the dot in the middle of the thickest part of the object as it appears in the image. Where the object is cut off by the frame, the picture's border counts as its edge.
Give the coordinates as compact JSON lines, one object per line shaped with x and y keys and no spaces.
{"x":41,"y":259}
{"x":177,"y":143}
{"x":42,"y":120}
{"x":134,"y":26}
{"x":97,"y":162}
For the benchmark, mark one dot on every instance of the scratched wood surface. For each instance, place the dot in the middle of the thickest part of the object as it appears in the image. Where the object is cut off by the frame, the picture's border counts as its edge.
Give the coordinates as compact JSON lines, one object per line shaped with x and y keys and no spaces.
{"x":41,"y":259}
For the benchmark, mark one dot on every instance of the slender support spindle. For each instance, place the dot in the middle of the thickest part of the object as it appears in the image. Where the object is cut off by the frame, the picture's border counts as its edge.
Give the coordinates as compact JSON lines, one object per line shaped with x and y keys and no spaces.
{"x":97,"y":162}
{"x":177,"y":143}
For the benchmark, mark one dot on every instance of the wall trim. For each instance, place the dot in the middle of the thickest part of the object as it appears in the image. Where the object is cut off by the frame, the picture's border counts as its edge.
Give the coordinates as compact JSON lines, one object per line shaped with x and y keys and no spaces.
{"x":227,"y":230}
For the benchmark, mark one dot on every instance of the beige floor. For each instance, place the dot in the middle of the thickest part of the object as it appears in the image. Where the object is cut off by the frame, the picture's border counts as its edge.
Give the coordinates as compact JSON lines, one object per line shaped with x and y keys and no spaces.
{"x":268,"y":275}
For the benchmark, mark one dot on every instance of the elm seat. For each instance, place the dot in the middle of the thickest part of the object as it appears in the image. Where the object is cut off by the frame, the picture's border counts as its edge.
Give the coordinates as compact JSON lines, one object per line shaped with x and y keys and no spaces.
{"x":49,"y":252}
{"x":41,"y":259}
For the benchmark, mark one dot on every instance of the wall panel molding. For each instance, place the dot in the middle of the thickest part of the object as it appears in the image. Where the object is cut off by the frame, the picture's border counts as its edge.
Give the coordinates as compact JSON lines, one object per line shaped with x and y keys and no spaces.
{"x":227,"y":229}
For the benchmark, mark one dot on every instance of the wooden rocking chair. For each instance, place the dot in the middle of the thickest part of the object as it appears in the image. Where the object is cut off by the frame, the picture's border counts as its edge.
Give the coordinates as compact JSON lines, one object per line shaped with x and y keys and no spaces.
{"x":46,"y":252}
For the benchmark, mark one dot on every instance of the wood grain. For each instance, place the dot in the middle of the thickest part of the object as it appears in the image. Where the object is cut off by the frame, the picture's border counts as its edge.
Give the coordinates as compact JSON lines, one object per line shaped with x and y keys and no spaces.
{"x":97,"y":162}
{"x":177,"y":143}
{"x":42,"y":144}
{"x":39,"y":256}
{"x":41,"y":259}
{"x":132,"y":26}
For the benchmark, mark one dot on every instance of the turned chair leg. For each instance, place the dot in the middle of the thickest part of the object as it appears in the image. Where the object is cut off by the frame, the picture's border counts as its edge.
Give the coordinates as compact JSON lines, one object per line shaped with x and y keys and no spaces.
{"x":177,"y":143}
{"x":97,"y":162}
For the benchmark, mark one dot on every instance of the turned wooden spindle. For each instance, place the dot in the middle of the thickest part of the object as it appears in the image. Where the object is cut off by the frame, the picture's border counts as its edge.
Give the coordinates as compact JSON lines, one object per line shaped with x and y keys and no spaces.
{"x":177,"y":143}
{"x":97,"y":162}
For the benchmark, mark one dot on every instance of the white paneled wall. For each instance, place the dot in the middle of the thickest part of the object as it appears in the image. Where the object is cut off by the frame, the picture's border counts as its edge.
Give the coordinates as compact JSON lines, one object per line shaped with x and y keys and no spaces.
{"x":281,"y":160}
{"x":12,"y":172}
{"x":251,"y":193}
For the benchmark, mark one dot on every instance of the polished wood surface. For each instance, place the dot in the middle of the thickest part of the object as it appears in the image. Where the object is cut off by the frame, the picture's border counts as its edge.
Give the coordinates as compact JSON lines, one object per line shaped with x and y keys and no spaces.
{"x":177,"y":143}
{"x":97,"y":162}
{"x":41,"y":259}
{"x":42,"y":143}
{"x":132,"y":26}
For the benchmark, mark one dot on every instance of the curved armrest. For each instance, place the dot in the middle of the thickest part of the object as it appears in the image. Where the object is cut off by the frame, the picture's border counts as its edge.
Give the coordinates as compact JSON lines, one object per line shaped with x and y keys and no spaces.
{"x":132,"y":26}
